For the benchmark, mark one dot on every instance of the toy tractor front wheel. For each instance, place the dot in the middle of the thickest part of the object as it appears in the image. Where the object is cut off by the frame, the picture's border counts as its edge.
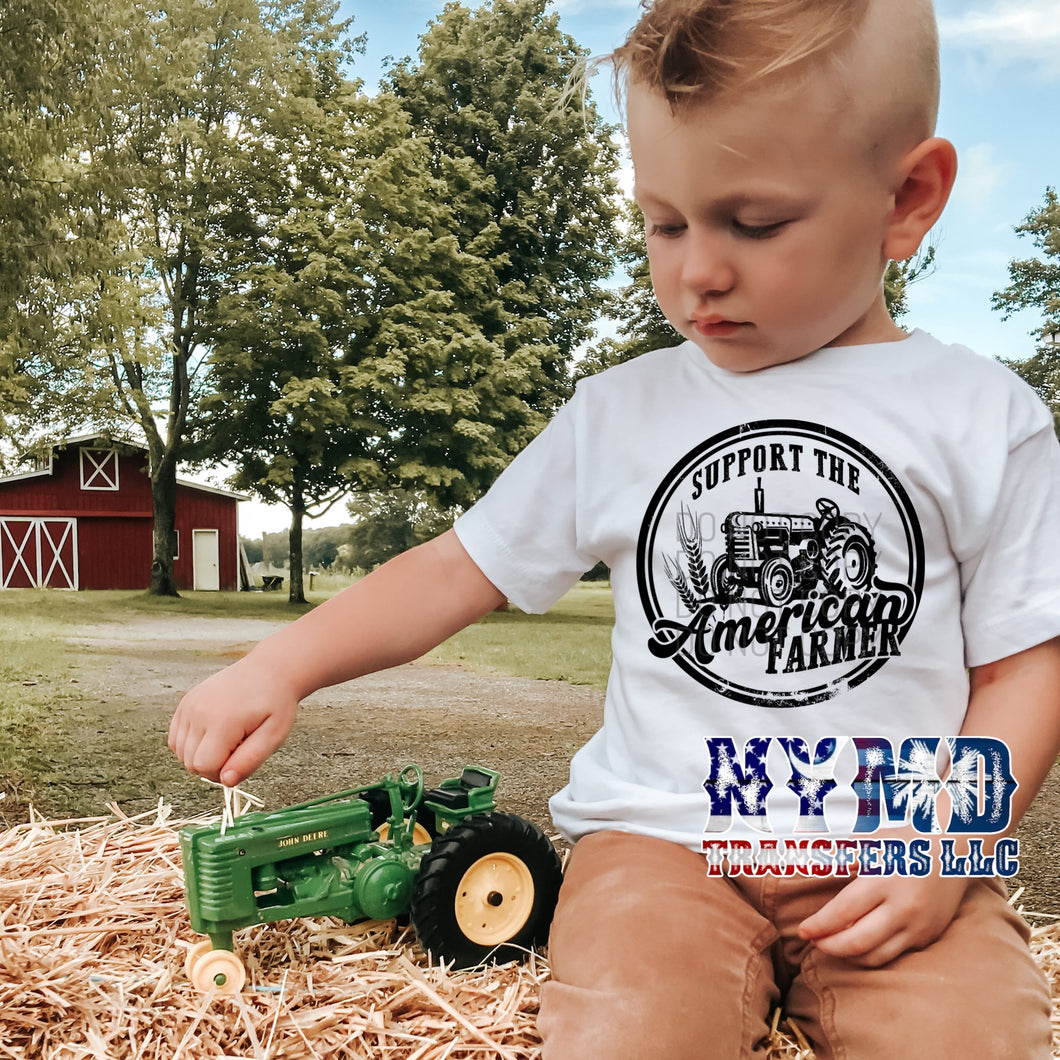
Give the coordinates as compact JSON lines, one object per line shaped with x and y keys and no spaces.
{"x":486,"y":890}
{"x":220,"y":969}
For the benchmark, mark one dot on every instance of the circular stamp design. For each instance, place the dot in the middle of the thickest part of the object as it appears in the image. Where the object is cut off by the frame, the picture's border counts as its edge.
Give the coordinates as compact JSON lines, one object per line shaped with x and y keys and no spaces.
{"x":779,"y":563}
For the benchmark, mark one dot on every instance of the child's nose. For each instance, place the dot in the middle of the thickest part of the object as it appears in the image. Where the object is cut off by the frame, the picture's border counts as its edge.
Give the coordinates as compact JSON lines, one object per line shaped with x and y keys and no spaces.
{"x":708,"y":268}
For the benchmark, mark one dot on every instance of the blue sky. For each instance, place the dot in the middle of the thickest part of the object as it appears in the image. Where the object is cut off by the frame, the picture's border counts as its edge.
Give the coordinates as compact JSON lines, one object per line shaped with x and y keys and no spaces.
{"x":1000,"y":106}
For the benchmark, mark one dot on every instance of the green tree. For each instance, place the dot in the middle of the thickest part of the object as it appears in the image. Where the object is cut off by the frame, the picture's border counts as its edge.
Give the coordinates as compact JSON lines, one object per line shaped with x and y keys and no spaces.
{"x":389,"y":523}
{"x":531,"y":176}
{"x":1035,"y":284}
{"x":641,"y":324}
{"x":345,"y":342}
{"x":482,"y":285}
{"x":198,"y":98}
{"x":901,"y":275}
{"x":322,"y":544}
{"x":61,"y":66}
{"x":432,"y":385}
{"x":280,"y":399}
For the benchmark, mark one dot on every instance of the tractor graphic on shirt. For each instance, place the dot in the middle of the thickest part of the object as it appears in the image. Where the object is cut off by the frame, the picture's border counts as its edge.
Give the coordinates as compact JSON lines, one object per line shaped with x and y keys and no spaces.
{"x":788,"y":557}
{"x":779,"y":557}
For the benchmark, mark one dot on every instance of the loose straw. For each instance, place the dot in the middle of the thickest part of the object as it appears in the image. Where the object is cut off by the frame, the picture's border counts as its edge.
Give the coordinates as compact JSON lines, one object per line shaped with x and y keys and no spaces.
{"x":93,"y":935}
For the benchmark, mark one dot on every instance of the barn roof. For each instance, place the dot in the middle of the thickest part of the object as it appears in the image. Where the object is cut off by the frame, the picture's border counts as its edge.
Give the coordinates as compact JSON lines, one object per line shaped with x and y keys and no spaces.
{"x":125,"y":443}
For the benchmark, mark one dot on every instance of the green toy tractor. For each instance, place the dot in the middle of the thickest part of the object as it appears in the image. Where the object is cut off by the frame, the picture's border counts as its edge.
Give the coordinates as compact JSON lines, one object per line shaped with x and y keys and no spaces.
{"x":479,"y":885}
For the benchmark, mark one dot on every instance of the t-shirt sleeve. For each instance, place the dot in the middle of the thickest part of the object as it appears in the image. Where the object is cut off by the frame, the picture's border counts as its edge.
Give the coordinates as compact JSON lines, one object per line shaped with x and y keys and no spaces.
{"x":1011,"y":584}
{"x":523,"y":534}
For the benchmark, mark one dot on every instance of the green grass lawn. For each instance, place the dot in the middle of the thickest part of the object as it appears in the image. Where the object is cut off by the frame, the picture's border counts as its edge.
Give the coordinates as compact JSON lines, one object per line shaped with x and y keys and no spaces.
{"x":569,"y":643}
{"x":572,"y":642}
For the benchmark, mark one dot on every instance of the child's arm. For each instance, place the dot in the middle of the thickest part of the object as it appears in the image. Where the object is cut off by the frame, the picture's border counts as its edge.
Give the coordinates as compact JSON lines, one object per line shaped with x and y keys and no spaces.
{"x":227,"y":726}
{"x":877,"y":918}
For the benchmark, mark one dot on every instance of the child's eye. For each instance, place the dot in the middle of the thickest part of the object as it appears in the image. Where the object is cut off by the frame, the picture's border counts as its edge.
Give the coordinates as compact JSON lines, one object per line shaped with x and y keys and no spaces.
{"x":749,"y":231}
{"x":665,"y":231}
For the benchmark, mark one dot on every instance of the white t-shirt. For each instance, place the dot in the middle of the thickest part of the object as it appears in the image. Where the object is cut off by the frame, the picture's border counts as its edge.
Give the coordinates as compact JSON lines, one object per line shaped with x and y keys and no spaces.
{"x":814,"y":552}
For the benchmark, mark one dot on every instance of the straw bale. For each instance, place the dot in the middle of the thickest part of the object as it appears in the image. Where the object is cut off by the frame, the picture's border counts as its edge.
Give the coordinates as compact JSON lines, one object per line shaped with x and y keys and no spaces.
{"x":93,"y":935}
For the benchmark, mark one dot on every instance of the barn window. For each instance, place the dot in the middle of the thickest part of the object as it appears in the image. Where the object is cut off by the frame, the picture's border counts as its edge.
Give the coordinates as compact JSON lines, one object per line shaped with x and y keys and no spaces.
{"x":40,"y":463}
{"x":99,"y":469}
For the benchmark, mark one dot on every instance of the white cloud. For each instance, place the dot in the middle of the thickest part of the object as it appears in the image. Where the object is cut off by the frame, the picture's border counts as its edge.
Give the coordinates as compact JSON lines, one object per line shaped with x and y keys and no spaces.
{"x":979,"y":177}
{"x":1009,"y":31}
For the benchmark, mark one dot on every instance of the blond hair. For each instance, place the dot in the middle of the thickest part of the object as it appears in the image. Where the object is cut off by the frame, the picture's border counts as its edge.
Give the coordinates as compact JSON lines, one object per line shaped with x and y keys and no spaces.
{"x":694,"y":51}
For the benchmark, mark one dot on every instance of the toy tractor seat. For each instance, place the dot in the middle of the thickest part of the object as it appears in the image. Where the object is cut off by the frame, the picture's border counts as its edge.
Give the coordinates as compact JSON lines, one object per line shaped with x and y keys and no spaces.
{"x":473,"y":786}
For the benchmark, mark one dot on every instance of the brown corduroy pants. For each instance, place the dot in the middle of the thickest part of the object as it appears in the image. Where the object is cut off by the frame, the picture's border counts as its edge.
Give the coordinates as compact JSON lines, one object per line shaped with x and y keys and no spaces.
{"x":654,"y":960}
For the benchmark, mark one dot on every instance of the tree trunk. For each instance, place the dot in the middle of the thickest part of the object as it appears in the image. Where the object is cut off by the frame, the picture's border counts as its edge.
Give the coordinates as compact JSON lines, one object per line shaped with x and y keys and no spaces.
{"x":297,"y":591}
{"x":163,"y":472}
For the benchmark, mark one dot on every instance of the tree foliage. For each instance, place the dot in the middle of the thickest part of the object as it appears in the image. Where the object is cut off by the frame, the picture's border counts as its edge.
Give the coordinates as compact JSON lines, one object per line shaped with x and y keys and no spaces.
{"x":334,"y":292}
{"x":197,"y":93}
{"x":470,"y":237}
{"x":387,"y":524}
{"x":61,"y":66}
{"x":901,"y":275}
{"x":323,"y":548}
{"x":531,"y":174}
{"x":633,"y":306}
{"x":1035,"y":284}
{"x":279,"y":398}
{"x":345,"y":349}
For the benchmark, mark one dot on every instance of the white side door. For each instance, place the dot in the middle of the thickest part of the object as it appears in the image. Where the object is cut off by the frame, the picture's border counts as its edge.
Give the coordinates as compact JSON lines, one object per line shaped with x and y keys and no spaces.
{"x":206,"y":560}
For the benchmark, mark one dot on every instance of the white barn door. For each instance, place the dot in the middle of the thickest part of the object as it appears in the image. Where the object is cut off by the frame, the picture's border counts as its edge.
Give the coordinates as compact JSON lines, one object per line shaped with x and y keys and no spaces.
{"x":206,"y":560}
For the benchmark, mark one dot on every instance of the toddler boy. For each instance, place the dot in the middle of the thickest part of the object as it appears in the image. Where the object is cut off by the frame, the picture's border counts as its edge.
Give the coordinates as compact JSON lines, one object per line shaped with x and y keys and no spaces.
{"x":831,"y":556}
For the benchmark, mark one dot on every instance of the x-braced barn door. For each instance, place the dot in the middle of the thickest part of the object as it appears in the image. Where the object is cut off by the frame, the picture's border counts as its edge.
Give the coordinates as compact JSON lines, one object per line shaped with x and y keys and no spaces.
{"x":38,"y":553}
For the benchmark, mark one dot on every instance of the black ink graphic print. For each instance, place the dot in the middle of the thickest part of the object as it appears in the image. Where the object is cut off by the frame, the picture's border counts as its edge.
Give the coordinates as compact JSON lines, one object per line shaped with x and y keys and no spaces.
{"x":779,"y":563}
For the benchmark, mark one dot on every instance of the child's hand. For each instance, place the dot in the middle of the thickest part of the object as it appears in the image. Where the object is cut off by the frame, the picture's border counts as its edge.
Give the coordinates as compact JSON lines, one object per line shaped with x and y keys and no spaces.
{"x":875,"y":919}
{"x":227,"y":726}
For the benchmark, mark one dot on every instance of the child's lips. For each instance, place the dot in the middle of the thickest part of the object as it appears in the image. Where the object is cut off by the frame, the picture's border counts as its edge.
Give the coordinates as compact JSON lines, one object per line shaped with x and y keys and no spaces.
{"x":717,"y":327}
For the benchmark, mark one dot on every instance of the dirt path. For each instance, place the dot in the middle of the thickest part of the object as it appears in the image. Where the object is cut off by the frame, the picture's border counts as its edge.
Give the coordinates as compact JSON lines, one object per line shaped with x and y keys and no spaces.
{"x":439,"y":716}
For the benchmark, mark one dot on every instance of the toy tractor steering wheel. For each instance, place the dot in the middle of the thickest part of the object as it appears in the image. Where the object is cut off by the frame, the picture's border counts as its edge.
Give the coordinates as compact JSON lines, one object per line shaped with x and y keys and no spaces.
{"x":410,"y":784}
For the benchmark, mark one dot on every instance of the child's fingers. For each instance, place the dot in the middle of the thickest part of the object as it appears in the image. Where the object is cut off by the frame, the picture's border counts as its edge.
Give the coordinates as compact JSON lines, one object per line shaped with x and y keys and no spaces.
{"x":209,"y":752}
{"x":252,"y":752}
{"x":184,"y":738}
{"x":867,"y":939}
{"x":874,"y":920}
{"x":851,"y":904}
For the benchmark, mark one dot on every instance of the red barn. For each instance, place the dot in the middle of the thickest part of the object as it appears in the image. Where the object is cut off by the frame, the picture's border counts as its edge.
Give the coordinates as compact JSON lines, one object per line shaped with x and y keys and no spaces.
{"x":83,"y":520}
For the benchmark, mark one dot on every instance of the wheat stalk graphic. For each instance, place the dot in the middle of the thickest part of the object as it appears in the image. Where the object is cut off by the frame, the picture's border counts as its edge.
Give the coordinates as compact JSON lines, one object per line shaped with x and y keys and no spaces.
{"x":680,"y":583}
{"x":692,"y":544}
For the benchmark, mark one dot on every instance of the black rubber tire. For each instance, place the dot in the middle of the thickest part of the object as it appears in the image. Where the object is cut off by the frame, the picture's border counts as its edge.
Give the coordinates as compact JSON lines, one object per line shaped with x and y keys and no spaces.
{"x":723,"y":581}
{"x":846,"y":538}
{"x":443,"y":868}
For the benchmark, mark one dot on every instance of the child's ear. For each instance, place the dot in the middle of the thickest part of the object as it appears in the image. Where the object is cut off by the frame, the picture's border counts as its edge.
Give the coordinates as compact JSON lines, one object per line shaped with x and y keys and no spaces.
{"x":926,"y":176}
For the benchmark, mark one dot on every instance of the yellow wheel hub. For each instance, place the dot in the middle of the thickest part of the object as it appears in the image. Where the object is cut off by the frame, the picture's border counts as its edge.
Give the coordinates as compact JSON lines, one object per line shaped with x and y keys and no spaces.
{"x":221,"y":970}
{"x":420,"y":835}
{"x":195,"y":954}
{"x":494,"y":899}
